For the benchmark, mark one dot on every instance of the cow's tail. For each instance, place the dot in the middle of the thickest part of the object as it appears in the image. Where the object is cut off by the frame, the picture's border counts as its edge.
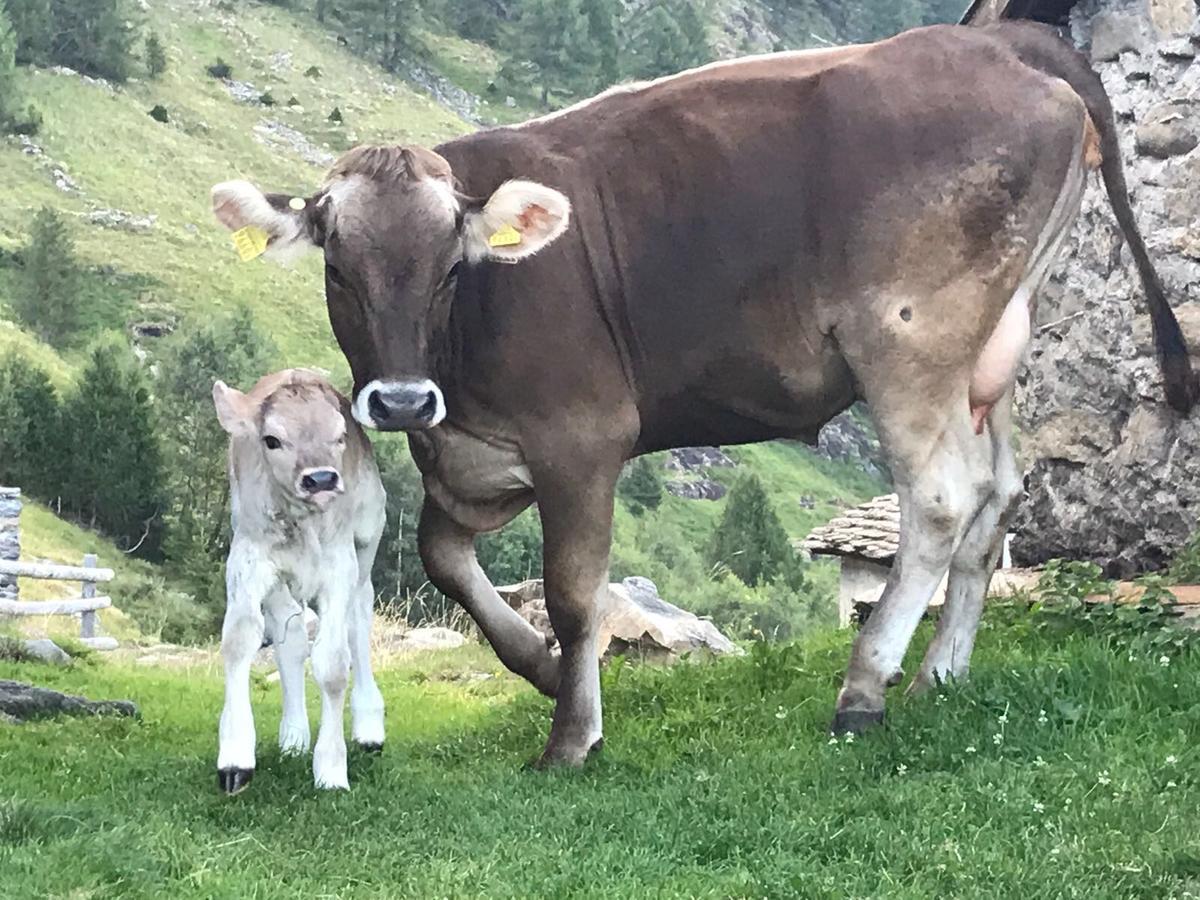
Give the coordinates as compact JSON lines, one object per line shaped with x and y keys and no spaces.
{"x":1040,"y":48}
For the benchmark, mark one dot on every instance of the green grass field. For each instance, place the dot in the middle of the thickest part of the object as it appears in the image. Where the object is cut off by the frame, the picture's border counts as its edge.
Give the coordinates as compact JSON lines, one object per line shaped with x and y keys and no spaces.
{"x":1065,"y":768}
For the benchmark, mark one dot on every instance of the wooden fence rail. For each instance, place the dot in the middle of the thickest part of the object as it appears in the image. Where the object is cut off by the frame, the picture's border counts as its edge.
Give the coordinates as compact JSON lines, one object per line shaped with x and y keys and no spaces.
{"x":85,"y":606}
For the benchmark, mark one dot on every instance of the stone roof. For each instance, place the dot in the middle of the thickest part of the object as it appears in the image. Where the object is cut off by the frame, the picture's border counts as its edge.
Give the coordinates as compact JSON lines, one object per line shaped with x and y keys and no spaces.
{"x":870,"y":531}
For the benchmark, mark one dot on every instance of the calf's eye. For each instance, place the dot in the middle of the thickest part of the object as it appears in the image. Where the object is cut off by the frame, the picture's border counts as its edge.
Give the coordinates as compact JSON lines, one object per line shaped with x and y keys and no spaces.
{"x":272,"y":442}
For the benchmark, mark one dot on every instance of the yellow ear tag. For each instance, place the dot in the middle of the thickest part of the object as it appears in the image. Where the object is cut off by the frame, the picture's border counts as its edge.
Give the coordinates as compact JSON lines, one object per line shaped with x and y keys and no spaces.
{"x":250,"y":242}
{"x":297,"y":203}
{"x":505,"y":237}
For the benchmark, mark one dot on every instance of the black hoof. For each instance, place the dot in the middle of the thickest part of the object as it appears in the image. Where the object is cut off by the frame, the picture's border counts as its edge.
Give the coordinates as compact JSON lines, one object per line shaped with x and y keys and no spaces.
{"x":855,"y":721}
{"x":373,"y":749}
{"x":234,"y":781}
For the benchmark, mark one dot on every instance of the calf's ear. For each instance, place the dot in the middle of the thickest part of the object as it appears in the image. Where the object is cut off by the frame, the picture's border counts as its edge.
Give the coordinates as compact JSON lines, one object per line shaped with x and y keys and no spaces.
{"x":234,"y":409}
{"x":280,"y":219}
{"x":518,"y":220}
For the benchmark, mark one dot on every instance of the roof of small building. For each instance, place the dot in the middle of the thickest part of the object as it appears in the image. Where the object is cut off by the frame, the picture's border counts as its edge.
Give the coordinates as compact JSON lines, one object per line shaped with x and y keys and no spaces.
{"x":869,"y":531}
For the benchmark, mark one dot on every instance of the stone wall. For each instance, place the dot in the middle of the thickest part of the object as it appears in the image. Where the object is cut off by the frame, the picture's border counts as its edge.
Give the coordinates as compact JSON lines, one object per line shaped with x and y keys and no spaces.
{"x":1112,"y":475}
{"x":10,"y":537}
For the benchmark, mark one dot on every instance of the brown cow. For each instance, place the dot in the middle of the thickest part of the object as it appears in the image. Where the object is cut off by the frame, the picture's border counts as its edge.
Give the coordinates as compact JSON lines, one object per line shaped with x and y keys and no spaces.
{"x":746,"y":250}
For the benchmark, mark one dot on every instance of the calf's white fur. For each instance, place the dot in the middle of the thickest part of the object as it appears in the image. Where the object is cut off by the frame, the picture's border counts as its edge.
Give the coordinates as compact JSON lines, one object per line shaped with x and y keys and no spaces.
{"x":308,"y":514}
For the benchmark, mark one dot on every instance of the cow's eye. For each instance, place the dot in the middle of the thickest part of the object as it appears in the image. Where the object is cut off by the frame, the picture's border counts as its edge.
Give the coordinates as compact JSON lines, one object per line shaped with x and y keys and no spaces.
{"x":334,"y":276}
{"x":272,"y":442}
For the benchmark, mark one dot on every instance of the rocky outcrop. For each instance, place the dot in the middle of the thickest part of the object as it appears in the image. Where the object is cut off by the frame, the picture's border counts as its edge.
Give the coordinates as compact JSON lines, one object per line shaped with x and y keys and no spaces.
{"x":638,"y":623}
{"x":20,"y":702}
{"x":699,"y":489}
{"x":850,"y":437}
{"x":1112,"y":474}
{"x":695,"y":459}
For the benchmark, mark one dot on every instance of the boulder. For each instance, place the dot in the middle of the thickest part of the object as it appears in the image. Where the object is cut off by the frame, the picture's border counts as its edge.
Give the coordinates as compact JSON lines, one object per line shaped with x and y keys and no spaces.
{"x":24,"y":701}
{"x":45,"y":650}
{"x":432,"y":638}
{"x":1162,"y":140}
{"x":637,"y":622}
{"x":699,"y":489}
{"x":693,"y":459}
{"x":1114,"y":34}
{"x":517,"y":595}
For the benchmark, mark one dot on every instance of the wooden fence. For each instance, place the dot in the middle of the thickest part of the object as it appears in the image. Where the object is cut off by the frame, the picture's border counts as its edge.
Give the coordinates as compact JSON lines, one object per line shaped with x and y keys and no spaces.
{"x":87,"y":605}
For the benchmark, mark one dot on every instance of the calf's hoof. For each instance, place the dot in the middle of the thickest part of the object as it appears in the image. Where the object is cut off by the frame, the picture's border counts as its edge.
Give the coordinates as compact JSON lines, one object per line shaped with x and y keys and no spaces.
{"x":372,"y":747}
{"x":855,"y":721}
{"x":564,"y":755}
{"x":234,"y":781}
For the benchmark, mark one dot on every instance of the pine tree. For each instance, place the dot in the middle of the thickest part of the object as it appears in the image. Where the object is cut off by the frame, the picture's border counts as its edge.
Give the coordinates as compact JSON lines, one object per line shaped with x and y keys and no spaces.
{"x":553,"y":37}
{"x":235,"y":350}
{"x":46,"y":299}
{"x":33,"y":22}
{"x":642,"y":486}
{"x":30,"y":413}
{"x":95,"y":37}
{"x":381,"y":29}
{"x":666,"y":38}
{"x":156,"y":56}
{"x":749,"y":539}
{"x":9,"y":96}
{"x":604,"y":22}
{"x":114,"y":479}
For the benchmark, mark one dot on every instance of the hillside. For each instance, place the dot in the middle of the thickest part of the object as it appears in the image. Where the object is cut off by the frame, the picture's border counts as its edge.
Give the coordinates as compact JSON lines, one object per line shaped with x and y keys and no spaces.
{"x":136,"y":193}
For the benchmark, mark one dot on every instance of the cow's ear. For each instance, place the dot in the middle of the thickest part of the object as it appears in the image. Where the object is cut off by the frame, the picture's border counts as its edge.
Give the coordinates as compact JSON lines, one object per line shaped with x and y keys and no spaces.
{"x":518,"y":220}
{"x":235,"y":411}
{"x":283,"y":219}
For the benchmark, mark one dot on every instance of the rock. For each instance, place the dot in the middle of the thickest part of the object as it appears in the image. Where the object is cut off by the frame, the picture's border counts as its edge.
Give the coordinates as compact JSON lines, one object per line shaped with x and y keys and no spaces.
{"x":432,"y":638}
{"x":510,"y":102}
{"x":24,"y":701}
{"x":120,"y":220}
{"x":1114,"y":34}
{"x":45,"y":650}
{"x":517,"y":595}
{"x":143,"y":330}
{"x":1162,"y":140}
{"x":700,"y":489}
{"x":694,"y":459}
{"x":850,"y":437}
{"x":1180,"y":50}
{"x":242,"y":91}
{"x":277,"y":135}
{"x":637,"y":622}
{"x":446,"y":93}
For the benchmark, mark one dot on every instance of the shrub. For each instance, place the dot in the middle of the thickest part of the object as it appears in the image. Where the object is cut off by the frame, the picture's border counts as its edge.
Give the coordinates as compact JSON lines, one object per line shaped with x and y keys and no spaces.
{"x":30,"y":416}
{"x":641,"y":487}
{"x":160,"y":114}
{"x":750,"y":540}
{"x":156,"y":56}
{"x":220,"y":69}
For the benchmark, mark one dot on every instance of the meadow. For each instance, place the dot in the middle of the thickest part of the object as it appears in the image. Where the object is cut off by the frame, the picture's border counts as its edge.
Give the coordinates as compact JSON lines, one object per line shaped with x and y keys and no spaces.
{"x":1064,"y":768}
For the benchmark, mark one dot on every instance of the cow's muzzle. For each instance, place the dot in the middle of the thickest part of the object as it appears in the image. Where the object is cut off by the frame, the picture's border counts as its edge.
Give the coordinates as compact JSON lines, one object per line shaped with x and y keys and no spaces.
{"x":400,"y":405}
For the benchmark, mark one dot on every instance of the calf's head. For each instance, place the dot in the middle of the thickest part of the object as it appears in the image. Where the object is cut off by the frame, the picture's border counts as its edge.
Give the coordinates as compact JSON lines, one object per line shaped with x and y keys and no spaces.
{"x":395,"y":233}
{"x":291,"y":426}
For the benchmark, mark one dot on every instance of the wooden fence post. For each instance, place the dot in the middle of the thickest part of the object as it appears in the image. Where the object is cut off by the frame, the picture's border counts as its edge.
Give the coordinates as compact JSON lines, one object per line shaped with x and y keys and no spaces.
{"x":88,"y":618}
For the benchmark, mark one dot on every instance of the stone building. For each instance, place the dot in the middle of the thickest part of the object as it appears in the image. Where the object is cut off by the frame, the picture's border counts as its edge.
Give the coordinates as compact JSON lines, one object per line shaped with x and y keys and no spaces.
{"x":10,"y":538}
{"x":1112,"y":474}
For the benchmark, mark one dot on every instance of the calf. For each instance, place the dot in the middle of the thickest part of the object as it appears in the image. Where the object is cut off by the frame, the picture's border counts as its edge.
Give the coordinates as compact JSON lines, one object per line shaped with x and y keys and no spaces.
{"x":308,"y":513}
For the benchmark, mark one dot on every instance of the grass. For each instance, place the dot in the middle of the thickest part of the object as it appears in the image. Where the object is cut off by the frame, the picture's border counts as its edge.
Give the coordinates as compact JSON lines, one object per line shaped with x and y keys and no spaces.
{"x":1065,"y":768}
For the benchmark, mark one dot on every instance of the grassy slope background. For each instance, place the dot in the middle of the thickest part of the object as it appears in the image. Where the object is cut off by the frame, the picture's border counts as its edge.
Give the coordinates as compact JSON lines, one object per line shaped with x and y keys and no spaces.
{"x":184,"y":270}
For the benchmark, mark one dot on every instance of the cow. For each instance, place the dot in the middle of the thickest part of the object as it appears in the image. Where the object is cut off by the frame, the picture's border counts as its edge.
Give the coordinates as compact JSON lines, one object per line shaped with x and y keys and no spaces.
{"x":733,"y":254}
{"x":308,"y":513}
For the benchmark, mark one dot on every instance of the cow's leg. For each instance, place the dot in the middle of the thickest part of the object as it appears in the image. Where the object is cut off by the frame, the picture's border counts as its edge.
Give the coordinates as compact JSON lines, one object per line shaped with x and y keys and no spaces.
{"x":577,"y":530}
{"x":974,"y":561}
{"x":285,"y":625}
{"x":331,"y":670}
{"x":448,"y":552}
{"x":248,"y":582}
{"x":943,"y":478}
{"x":366,"y":702}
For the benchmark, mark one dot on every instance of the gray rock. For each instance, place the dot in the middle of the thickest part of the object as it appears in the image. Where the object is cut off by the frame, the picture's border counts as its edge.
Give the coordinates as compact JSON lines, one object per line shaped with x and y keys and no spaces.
{"x":120,"y":220}
{"x":695,"y":459}
{"x":637,"y":622}
{"x":1116,"y":33}
{"x":517,"y":595}
{"x":1162,"y":140}
{"x":1179,"y":50}
{"x":47,"y":651}
{"x":851,"y":438}
{"x":277,"y":135}
{"x":432,"y":638}
{"x":25,"y":701}
{"x":699,"y":489}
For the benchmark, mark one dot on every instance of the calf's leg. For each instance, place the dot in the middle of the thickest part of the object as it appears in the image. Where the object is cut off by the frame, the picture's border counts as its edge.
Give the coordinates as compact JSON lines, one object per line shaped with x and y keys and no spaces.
{"x":974,"y":561}
{"x":366,"y":702}
{"x":285,"y":625}
{"x":331,"y":670}
{"x":248,"y":582}
{"x":448,"y":553}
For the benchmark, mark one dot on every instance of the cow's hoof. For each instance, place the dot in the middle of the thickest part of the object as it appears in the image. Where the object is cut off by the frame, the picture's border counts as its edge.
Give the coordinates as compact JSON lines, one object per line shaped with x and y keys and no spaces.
{"x":234,"y":781}
{"x":372,"y":747}
{"x":557,"y":756}
{"x":855,"y":721}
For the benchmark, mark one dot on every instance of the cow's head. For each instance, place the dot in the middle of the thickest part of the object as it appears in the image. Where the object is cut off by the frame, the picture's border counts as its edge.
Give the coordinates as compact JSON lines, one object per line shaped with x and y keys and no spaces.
{"x":395,"y":233}
{"x":291,"y":426}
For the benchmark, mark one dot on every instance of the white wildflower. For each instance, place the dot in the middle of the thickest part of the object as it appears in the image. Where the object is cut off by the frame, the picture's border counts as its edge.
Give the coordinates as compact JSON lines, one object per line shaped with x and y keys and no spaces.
{"x":1103,"y":778}
{"x":1042,"y":720}
{"x":901,"y":769}
{"x":1164,"y":661}
{"x":1038,"y":807}
{"x":849,"y":738}
{"x":1003,"y":718}
{"x":1171,"y":784}
{"x":1038,"y":762}
{"x":781,"y":713}
{"x":971,"y":749}
{"x":833,"y":741}
{"x":1172,"y":759}
{"x":997,"y":739}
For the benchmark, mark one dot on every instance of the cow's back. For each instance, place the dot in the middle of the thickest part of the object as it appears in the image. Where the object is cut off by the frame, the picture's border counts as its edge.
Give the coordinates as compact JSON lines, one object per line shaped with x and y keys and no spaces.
{"x":726,"y":221}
